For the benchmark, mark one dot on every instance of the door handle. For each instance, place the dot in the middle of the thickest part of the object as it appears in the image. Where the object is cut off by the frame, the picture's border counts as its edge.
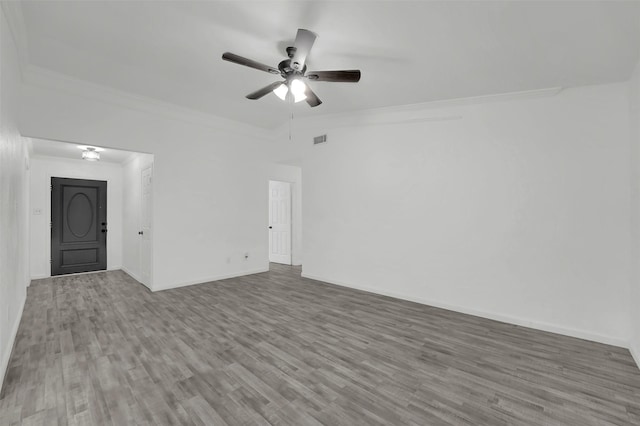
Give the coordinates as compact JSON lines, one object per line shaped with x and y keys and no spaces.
{"x":270,"y":227}
{"x":104,"y":230}
{"x":140,"y":233}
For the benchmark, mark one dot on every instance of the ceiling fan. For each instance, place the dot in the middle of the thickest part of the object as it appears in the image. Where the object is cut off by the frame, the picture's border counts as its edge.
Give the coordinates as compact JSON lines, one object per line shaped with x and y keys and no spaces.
{"x":294,"y":71}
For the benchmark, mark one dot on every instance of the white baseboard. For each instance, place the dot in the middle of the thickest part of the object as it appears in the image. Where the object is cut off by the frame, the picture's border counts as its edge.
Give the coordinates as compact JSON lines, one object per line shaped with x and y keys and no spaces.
{"x":214,"y":278}
{"x":39,"y":277}
{"x":134,"y":276}
{"x":14,"y":332}
{"x":538,"y":325}
{"x":635,"y":354}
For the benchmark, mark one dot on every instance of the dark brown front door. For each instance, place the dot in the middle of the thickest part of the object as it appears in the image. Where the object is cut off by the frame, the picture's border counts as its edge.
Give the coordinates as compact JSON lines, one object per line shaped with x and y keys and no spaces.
{"x":78,"y":225}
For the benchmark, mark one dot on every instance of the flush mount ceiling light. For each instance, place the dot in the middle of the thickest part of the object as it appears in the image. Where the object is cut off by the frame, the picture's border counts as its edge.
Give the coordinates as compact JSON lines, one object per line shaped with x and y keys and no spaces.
{"x":90,"y":153}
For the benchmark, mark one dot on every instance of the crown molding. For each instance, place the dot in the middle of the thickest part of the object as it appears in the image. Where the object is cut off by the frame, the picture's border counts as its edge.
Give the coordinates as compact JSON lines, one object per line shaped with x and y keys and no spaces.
{"x":29,"y":144}
{"x":48,"y":79}
{"x":78,"y":160}
{"x":12,"y":11}
{"x":411,"y":113}
{"x":414,"y":113}
{"x":52,"y":80}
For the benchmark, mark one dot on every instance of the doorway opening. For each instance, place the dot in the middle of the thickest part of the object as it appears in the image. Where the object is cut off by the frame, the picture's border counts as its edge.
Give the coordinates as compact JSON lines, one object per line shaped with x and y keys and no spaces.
{"x":78,"y":244}
{"x":78,"y":225}
{"x":280,"y":222}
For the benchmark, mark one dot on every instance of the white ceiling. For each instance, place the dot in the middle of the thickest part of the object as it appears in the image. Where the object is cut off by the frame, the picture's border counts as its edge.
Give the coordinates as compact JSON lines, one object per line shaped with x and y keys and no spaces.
{"x":408,"y":51}
{"x":47,"y":148}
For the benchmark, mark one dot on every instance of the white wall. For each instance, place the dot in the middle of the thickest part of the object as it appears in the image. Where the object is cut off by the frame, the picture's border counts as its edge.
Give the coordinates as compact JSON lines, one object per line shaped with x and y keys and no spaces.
{"x":210,"y":178}
{"x":14,"y":203}
{"x":132,"y":196}
{"x":42,"y":170}
{"x":515,"y":209}
{"x":634,"y":98}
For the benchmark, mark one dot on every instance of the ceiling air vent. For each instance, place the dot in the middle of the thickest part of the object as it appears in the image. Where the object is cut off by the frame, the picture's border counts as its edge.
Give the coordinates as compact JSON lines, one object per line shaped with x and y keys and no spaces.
{"x":319,"y":139}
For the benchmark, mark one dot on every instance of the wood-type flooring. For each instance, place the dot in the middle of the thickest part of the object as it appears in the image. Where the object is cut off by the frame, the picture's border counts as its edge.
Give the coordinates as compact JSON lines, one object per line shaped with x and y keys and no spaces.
{"x":278,"y":349}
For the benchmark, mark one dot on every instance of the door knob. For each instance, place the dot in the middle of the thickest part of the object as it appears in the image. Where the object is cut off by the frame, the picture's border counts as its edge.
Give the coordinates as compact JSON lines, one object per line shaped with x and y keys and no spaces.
{"x":140,"y":233}
{"x":104,"y":230}
{"x":271,"y":227}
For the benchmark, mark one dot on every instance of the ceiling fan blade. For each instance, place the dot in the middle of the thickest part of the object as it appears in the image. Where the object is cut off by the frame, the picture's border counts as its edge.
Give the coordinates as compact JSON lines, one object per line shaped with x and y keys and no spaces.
{"x":304,"y":42}
{"x":236,"y":59}
{"x":265,"y":90}
{"x":312,"y":99}
{"x":344,"y":76}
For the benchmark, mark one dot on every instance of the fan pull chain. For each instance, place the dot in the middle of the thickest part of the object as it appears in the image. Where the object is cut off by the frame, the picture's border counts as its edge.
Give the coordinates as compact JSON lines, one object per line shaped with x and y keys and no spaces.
{"x":290,"y":124}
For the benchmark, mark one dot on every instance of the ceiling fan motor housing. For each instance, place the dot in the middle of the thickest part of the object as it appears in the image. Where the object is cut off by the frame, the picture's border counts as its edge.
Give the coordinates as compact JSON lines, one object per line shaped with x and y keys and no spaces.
{"x":288,"y":70}
{"x":291,"y":52}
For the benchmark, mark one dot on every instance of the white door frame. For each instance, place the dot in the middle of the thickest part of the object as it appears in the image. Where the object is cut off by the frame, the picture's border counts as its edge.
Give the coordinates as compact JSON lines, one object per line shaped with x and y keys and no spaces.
{"x":149,"y":231}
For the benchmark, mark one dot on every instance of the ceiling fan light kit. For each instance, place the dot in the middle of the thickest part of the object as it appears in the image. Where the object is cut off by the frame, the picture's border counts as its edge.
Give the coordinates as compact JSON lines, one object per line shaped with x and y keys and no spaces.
{"x":295,"y":90}
{"x":281,"y":91}
{"x":294,"y":71}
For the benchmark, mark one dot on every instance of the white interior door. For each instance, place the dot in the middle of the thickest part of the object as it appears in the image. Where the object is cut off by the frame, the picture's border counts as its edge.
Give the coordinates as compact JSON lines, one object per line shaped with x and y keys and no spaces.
{"x":145,"y":226}
{"x":280,"y":222}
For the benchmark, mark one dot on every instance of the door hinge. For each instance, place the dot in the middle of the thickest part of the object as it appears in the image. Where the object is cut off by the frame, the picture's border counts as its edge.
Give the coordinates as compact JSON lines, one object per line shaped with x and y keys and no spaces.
{"x":50,"y":187}
{"x":51,"y":225}
{"x":50,"y":261}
